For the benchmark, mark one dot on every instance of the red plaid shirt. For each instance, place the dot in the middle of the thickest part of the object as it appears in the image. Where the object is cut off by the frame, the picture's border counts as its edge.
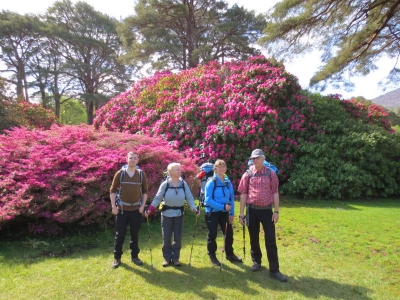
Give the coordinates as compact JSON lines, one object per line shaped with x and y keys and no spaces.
{"x":261,"y":189}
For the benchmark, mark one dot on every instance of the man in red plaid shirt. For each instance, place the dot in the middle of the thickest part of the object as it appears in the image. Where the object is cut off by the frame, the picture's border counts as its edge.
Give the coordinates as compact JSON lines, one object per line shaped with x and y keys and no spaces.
{"x":259,"y":193}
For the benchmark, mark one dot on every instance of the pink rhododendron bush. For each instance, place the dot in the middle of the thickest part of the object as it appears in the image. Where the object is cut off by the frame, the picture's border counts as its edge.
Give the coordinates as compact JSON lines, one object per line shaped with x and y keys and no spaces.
{"x":62,"y":176}
{"x":218,"y":111}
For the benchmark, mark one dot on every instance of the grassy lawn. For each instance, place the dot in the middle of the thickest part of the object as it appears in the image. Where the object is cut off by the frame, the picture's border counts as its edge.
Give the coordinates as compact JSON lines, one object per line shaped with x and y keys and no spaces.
{"x":328,"y":250}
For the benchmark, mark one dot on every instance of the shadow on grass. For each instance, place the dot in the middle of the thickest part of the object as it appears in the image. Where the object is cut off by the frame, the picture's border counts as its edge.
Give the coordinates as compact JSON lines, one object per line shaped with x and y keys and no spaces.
{"x":311,"y":287}
{"x":187,"y":278}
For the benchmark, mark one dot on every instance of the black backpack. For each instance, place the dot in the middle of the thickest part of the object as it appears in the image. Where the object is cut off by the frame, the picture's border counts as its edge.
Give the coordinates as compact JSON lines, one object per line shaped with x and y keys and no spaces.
{"x":164,"y":207}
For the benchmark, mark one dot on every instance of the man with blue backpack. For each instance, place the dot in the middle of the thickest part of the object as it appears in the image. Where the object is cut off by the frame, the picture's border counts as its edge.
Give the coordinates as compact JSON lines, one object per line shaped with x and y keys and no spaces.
{"x":259,"y":194}
{"x":130,"y":184}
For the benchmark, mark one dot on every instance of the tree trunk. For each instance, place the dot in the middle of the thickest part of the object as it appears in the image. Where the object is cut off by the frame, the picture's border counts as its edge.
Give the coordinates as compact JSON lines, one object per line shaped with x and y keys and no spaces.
{"x":90,"y":111}
{"x":191,"y":26}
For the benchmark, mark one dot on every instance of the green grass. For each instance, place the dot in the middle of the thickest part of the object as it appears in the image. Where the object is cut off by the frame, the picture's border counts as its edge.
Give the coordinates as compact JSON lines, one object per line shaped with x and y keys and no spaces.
{"x":328,"y":250}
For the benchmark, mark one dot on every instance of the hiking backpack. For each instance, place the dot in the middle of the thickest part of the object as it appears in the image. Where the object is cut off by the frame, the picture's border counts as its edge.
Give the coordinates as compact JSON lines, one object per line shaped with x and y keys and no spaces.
{"x":162,"y":206}
{"x":118,"y":200}
{"x":221,"y":186}
{"x":206,"y":171}
{"x":266,"y":164}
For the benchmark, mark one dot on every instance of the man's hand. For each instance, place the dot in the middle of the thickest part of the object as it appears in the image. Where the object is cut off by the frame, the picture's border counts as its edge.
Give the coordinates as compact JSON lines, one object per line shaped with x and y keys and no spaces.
{"x":275,"y":217}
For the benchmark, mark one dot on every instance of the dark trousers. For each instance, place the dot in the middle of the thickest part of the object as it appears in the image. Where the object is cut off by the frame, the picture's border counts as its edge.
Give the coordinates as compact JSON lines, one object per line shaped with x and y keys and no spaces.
{"x":263,"y":216}
{"x":169,"y":226}
{"x":134,"y":220}
{"x":213,"y":220}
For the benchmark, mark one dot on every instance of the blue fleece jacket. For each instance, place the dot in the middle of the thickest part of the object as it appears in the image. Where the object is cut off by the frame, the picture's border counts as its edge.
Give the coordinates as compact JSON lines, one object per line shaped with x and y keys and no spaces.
{"x":223,"y":194}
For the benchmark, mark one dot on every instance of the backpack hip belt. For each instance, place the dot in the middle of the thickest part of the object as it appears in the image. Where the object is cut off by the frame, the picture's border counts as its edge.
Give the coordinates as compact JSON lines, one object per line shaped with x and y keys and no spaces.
{"x":165,"y":207}
{"x":130,"y":204}
{"x":122,"y":203}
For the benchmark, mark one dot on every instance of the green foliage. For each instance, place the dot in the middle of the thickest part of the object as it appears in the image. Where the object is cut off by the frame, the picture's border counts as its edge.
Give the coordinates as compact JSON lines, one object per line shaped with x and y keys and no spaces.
{"x":394,"y":119}
{"x":347,"y":158}
{"x":182,"y":34}
{"x":18,"y":43}
{"x":15,"y":113}
{"x":351,"y":35}
{"x":73,"y":112}
{"x":89,"y":45}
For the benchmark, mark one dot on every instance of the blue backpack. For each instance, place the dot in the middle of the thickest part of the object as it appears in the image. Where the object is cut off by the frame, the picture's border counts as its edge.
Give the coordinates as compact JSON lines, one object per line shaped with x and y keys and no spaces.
{"x":266,"y":164}
{"x":208,"y":168}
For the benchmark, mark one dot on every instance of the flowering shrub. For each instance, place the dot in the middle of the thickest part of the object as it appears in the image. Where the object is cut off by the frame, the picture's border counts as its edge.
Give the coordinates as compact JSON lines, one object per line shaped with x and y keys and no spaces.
{"x":218,"y":111}
{"x":36,"y":116}
{"x":366,"y":112}
{"x":63,"y":175}
{"x":23,"y":113}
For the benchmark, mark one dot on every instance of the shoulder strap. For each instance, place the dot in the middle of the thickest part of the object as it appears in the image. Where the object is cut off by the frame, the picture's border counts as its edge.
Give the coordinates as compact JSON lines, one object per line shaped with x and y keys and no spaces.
{"x":166,"y":188}
{"x":121,"y":177}
{"x":141,"y":181}
{"x":182,"y":186}
{"x":226,"y":184}
{"x":215,"y":186}
{"x":250,"y":174}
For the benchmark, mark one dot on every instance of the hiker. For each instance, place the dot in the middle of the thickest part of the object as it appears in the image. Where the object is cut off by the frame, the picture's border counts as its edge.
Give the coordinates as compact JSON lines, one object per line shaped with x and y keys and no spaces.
{"x":206,"y":171}
{"x":174,"y":191}
{"x":128,"y":209}
{"x":259,"y":193}
{"x":220,"y":210}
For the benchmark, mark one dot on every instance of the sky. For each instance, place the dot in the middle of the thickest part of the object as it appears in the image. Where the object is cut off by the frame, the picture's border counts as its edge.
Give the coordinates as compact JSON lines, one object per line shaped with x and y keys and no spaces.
{"x":302,"y":67}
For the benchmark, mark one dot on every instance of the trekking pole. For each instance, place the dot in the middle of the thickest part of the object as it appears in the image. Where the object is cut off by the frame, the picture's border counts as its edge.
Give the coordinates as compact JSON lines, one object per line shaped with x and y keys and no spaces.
{"x":151,"y":255}
{"x":222,"y":258}
{"x":244,"y":241}
{"x":194,"y":234}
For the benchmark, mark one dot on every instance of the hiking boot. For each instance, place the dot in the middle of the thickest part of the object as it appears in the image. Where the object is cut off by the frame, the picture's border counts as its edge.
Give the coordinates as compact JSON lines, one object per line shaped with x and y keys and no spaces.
{"x":176,"y":262}
{"x":256,"y":267}
{"x":137,"y":261}
{"x":214,"y":260}
{"x":233,"y":258}
{"x":116,"y":263}
{"x":279,"y":276}
{"x":166,"y":263}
